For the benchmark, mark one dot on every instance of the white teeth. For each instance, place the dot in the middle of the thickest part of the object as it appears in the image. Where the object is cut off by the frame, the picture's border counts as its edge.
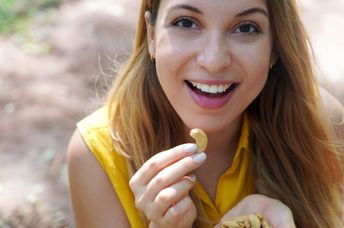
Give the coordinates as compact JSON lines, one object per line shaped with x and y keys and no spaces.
{"x":210,"y":88}
{"x":221,"y":88}
{"x":213,"y":89}
{"x":205,"y":88}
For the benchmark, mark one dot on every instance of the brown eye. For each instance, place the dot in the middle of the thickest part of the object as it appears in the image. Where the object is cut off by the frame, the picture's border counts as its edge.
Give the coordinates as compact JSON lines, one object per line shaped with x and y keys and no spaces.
{"x":185,"y":23}
{"x":247,"y":28}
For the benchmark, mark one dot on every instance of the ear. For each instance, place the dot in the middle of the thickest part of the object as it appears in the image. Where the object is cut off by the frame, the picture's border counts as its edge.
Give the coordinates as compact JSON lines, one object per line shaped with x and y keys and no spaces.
{"x":150,"y":34}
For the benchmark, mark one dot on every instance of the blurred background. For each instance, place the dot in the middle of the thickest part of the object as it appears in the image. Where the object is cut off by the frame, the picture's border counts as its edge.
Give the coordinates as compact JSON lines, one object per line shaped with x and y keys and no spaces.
{"x":56,"y":59}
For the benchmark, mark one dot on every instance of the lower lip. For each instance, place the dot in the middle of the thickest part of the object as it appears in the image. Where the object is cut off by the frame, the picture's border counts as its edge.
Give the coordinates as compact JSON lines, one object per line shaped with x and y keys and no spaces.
{"x":210,"y":102}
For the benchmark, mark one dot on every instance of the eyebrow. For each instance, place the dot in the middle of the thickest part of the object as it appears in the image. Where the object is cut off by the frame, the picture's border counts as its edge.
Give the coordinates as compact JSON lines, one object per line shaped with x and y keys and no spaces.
{"x":252,"y":11}
{"x":187,"y":7}
{"x":241,"y":14}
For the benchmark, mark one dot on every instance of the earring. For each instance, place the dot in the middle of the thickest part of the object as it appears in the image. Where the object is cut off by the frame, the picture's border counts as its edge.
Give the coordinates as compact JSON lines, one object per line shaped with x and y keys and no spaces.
{"x":271,"y":65}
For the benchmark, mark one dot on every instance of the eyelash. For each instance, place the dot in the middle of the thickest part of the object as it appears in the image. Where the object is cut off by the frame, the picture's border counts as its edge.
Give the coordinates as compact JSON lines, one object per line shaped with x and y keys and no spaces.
{"x":184,"y":19}
{"x":176,"y":23}
{"x":256,"y":29}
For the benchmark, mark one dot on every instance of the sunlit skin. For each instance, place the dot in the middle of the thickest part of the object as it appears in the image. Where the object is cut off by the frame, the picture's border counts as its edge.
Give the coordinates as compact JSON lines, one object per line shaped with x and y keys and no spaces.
{"x":212,"y":42}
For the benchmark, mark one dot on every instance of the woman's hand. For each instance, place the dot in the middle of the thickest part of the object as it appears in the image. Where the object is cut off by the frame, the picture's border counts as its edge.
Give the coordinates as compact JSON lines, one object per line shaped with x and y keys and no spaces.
{"x":277,"y":214}
{"x":161,"y":186}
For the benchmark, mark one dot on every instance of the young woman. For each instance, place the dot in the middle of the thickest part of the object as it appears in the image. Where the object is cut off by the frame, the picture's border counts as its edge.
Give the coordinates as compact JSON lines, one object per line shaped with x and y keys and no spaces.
{"x":241,"y":71}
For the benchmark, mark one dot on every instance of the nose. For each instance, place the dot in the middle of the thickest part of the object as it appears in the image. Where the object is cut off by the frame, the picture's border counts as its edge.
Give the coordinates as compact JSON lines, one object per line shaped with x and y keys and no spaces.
{"x":214,"y":54}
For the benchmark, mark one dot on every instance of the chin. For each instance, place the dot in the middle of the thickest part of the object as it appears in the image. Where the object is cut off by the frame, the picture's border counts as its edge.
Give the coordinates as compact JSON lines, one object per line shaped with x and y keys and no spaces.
{"x":212,"y":124}
{"x":208,"y":127}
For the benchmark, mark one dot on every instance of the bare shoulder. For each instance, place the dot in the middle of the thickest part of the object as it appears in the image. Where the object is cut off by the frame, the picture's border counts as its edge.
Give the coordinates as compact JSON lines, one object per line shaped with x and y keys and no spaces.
{"x":334,"y":110}
{"x":95,"y":203}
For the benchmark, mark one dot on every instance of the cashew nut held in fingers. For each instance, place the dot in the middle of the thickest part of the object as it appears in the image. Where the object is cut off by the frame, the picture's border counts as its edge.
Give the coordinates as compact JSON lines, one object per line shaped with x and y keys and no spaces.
{"x":200,"y":138}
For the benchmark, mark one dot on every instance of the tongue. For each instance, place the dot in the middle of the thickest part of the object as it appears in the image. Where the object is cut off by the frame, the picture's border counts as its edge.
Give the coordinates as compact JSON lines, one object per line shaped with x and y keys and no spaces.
{"x":209,"y":100}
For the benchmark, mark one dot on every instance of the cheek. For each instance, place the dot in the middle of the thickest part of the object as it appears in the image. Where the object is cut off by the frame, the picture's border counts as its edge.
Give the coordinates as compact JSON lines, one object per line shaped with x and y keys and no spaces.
{"x":254,"y":62}
{"x":256,"y":75}
{"x":164,"y":61}
{"x":174,"y":46}
{"x":172,"y":58}
{"x":255,"y":59}
{"x":171,"y":55}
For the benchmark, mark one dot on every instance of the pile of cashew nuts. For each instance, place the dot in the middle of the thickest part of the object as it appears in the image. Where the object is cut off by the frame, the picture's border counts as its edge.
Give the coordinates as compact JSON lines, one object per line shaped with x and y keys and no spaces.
{"x":247,"y":221}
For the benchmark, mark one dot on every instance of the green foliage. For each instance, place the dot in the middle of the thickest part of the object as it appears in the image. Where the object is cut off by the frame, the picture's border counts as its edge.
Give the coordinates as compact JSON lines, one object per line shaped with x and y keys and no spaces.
{"x":6,"y":14}
{"x":16,"y":14}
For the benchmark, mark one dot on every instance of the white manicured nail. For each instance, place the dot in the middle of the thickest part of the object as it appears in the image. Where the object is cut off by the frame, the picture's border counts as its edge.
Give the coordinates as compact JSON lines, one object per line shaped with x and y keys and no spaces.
{"x":191,"y":177}
{"x":190,"y":148}
{"x":200,"y":157}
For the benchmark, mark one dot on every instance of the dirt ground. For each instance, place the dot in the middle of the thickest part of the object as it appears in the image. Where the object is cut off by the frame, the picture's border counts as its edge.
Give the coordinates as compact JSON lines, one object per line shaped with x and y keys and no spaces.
{"x":49,"y":80}
{"x":59,"y":75}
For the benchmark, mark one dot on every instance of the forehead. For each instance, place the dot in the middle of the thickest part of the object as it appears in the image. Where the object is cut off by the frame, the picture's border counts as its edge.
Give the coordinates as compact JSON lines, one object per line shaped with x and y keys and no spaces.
{"x":214,"y":6}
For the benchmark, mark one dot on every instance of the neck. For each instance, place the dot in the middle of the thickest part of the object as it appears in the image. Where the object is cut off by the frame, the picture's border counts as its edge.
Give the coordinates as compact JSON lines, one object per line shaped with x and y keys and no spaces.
{"x":222,"y":146}
{"x":220,"y":151}
{"x":223,"y":143}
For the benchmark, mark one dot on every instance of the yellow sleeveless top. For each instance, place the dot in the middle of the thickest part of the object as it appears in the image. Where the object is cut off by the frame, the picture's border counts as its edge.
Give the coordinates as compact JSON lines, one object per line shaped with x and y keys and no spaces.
{"x":236,"y":183}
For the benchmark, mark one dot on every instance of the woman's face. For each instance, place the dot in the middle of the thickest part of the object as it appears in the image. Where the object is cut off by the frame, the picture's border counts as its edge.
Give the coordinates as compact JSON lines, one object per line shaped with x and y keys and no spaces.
{"x":212,"y":57}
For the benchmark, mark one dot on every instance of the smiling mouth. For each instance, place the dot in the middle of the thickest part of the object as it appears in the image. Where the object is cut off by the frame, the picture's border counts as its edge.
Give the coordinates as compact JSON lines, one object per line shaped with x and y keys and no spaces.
{"x":211,"y":90}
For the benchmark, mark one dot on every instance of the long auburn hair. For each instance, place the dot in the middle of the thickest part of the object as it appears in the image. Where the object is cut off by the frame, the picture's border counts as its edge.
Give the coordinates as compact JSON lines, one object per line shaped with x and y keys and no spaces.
{"x":294,"y":155}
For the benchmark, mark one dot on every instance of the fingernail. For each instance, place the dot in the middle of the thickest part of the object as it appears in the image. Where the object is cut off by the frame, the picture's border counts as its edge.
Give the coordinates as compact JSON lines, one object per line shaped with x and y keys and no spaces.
{"x":192,"y":177}
{"x":200,"y":157}
{"x":190,"y":148}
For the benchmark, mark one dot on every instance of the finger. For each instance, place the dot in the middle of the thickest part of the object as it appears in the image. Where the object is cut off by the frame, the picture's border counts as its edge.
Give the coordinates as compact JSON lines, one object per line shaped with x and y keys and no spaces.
{"x":285,"y":224}
{"x":285,"y":217}
{"x":170,"y":196}
{"x":159,"y":162}
{"x":177,"y":213}
{"x":173,"y":173}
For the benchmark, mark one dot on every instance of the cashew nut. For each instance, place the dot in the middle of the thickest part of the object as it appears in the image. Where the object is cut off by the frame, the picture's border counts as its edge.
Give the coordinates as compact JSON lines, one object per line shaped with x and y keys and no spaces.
{"x":254,"y":220}
{"x":200,"y":138}
{"x":230,"y":224}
